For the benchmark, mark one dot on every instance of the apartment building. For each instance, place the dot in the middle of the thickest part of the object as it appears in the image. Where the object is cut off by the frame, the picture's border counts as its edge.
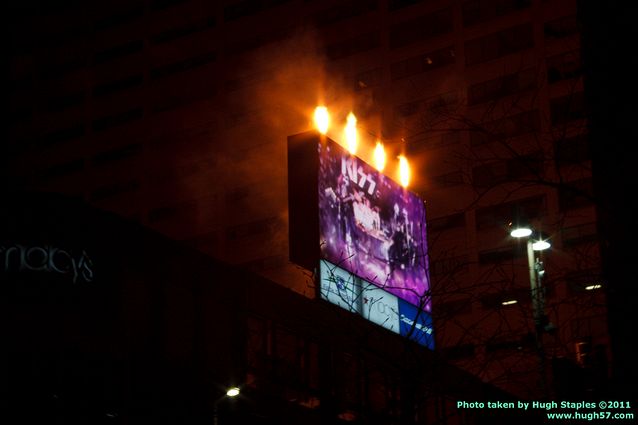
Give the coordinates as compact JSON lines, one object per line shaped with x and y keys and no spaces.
{"x":175,"y":114}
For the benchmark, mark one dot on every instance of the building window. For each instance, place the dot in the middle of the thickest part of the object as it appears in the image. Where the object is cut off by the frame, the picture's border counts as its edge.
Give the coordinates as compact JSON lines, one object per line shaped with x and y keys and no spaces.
{"x":183,"y":65}
{"x":177,"y":99}
{"x":502,"y":214}
{"x":504,"y":128}
{"x":361,"y":43}
{"x":577,"y":235}
{"x":248,"y":80}
{"x":165,"y":4}
{"x":119,"y":85}
{"x":249,"y":7}
{"x":117,"y":154}
{"x":133,"y":12}
{"x":347,"y":381}
{"x":171,"y":34}
{"x":21,"y":114}
{"x":454,"y":178}
{"x":576,"y":194}
{"x":62,"y":170}
{"x":423,"y":63}
{"x":114,"y":189}
{"x":282,"y":361}
{"x":274,"y":35}
{"x":421,"y":28}
{"x":449,"y":266}
{"x":528,"y":167}
{"x":441,"y":104}
{"x":449,"y":222}
{"x":493,"y":46}
{"x":562,"y":27}
{"x":500,"y":255}
{"x":564,"y":66}
{"x":400,"y":4}
{"x":567,"y":108}
{"x":425,"y":143}
{"x":258,"y":349}
{"x":475,"y":11}
{"x":63,"y":66}
{"x":62,"y":135}
{"x":450,"y":309}
{"x":430,"y":108}
{"x":407,"y":109}
{"x":69,"y":100}
{"x":344,"y":10}
{"x":501,"y":87}
{"x":506,"y":345}
{"x":118,"y":51}
{"x":115,"y":120}
{"x":572,"y":150}
{"x":489,"y":175}
{"x":368,"y":79}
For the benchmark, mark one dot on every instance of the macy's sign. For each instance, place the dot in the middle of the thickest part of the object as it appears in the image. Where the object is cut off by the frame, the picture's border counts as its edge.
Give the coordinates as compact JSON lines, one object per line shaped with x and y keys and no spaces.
{"x":46,"y":258}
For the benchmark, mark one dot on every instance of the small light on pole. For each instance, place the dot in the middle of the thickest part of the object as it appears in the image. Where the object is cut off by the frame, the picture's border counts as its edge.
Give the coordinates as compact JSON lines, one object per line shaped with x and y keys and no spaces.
{"x":232,"y":392}
{"x":540,"y":245}
{"x":521,"y":232}
{"x":536,"y":273}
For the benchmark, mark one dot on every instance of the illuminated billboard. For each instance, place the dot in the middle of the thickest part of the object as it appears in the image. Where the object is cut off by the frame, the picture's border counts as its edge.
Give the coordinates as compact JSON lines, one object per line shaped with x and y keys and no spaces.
{"x":371,"y":226}
{"x":372,"y":249}
{"x":343,"y":288}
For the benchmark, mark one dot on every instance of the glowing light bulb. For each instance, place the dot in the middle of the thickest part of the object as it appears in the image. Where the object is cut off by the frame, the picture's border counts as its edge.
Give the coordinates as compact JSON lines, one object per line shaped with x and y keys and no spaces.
{"x":379,"y":156}
{"x":322,"y":119}
{"x":404,"y":171}
{"x":351,"y":133}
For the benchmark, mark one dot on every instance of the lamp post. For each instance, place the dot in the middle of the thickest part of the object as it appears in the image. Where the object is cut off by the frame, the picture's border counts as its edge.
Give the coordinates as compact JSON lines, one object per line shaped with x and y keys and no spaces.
{"x":230,"y":393}
{"x":536,"y":272}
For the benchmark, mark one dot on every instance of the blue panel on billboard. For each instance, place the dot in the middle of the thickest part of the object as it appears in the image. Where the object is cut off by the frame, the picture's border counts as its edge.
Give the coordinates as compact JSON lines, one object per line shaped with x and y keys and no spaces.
{"x":343,"y":288}
{"x":416,"y":324}
{"x":371,"y":226}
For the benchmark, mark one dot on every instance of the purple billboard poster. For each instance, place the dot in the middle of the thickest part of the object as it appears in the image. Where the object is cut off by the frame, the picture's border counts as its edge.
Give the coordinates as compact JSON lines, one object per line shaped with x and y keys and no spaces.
{"x":371,"y":226}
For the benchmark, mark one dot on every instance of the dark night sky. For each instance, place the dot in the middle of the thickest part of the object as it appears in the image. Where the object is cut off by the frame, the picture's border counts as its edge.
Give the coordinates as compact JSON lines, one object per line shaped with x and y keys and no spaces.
{"x":608,"y":41}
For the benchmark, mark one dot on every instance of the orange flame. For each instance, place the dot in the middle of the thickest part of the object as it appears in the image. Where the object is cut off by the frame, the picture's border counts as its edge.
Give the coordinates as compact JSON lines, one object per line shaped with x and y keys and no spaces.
{"x":404,"y":171}
{"x":351,"y":133}
{"x":322,"y":119}
{"x":379,"y":156}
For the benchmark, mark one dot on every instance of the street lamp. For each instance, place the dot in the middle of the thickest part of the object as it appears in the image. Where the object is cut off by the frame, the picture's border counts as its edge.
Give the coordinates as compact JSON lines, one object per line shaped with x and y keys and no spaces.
{"x":536,"y":272}
{"x":231,"y":392}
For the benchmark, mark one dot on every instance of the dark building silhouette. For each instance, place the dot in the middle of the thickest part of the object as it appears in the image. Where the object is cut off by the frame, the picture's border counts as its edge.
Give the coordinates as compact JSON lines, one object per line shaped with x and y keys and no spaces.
{"x":174,"y":114}
{"x":109,"y":322}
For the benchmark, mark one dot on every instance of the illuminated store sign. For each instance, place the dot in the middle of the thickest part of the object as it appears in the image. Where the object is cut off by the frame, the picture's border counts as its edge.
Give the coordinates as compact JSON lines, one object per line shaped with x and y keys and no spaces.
{"x":18,"y":258}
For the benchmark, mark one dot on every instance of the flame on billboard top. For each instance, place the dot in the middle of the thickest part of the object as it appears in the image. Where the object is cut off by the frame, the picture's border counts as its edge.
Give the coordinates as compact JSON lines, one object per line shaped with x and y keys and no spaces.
{"x":371,"y":226}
